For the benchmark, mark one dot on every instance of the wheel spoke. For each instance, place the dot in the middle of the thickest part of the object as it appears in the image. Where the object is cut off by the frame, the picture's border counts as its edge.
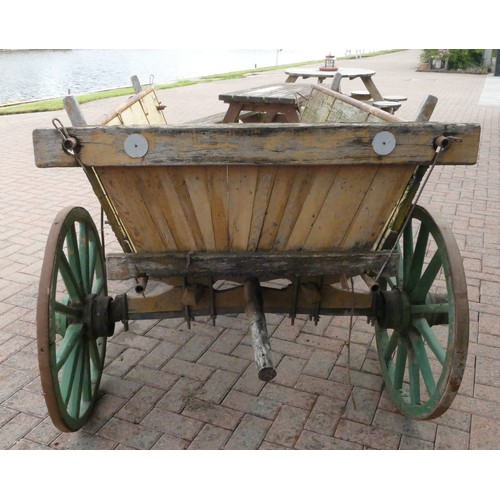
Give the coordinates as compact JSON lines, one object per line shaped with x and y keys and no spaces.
{"x":414,"y":377}
{"x":71,"y":339}
{"x":94,"y":354}
{"x":74,"y":256}
{"x":70,"y":280}
{"x":84,"y":256}
{"x":417,"y":263}
{"x":427,"y":309}
{"x":69,"y":373}
{"x":68,"y":311}
{"x":391,"y":345}
{"x":77,"y":386}
{"x":423,"y":362}
{"x":422,"y":288}
{"x":87,"y":381}
{"x":93,"y":255}
{"x":407,"y":251}
{"x":432,"y":341}
{"x":98,"y":286}
{"x":399,"y":368}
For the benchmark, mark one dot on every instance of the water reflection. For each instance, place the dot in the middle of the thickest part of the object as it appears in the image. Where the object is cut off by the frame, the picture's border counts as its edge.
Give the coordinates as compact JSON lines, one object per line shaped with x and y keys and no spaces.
{"x":40,"y":74}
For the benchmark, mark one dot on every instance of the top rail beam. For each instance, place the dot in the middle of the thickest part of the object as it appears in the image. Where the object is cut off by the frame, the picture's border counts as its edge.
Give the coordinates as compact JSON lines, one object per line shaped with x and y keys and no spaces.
{"x":251,"y":144}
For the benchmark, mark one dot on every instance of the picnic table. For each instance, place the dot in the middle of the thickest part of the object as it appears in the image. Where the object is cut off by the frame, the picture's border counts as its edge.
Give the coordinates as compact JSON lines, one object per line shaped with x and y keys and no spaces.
{"x":277,"y":102}
{"x":351,"y":73}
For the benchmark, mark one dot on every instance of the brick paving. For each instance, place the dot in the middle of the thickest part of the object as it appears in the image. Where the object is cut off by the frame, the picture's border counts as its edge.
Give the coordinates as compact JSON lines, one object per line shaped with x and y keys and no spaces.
{"x":169,"y":387}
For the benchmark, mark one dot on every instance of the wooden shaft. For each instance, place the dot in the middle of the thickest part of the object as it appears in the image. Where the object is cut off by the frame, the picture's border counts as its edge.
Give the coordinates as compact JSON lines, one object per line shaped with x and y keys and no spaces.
{"x":74,"y":111}
{"x":258,"y":329}
{"x":136,"y":84}
{"x":427,"y":108}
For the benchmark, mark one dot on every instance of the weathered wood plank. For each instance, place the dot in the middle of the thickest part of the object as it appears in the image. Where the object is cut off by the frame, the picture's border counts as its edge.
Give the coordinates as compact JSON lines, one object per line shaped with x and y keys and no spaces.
{"x":165,"y":265}
{"x":167,"y":195}
{"x":131,"y":207}
{"x":217,"y":189}
{"x":340,"y":206}
{"x":145,"y":186}
{"x":280,"y":193}
{"x":302,"y":183}
{"x":241,"y":189}
{"x":376,"y":206}
{"x":265,"y":183}
{"x":251,"y":144}
{"x":323,"y":180}
{"x":186,"y":205}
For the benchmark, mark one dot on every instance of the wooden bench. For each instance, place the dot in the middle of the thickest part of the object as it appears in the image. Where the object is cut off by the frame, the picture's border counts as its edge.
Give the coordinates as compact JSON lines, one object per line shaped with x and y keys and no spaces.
{"x":389,"y":106}
{"x":361,"y":95}
{"x":245,"y":117}
{"x":397,"y":98}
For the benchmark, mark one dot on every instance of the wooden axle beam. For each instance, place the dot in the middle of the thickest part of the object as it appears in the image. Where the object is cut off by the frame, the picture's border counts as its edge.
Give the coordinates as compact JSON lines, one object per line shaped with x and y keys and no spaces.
{"x":327,"y":300}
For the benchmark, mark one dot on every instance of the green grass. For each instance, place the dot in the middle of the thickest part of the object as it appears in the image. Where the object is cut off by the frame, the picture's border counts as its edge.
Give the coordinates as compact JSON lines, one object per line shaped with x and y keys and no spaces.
{"x":57,"y":104}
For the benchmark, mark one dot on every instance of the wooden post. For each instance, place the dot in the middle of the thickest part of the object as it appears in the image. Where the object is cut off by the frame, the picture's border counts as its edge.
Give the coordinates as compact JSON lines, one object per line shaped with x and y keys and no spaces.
{"x":427,"y":108}
{"x":136,"y":84}
{"x":336,"y":82}
{"x":74,"y":111}
{"x":258,"y":329}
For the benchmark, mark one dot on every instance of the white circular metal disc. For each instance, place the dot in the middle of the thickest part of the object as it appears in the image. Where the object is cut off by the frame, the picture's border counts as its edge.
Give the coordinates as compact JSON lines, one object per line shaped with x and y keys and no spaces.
{"x":136,"y":146}
{"x":384,"y":143}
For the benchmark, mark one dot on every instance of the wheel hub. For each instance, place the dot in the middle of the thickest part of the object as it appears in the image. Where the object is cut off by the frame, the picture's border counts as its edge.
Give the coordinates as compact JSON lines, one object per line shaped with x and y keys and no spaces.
{"x":98,"y":316}
{"x":396,"y":310}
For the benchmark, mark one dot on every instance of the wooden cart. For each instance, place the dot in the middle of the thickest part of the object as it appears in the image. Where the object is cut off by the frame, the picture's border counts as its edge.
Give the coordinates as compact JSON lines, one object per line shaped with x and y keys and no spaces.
{"x":256,"y":218}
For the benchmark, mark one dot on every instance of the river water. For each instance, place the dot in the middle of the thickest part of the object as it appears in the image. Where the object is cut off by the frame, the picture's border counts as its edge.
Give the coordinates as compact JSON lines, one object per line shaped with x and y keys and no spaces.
{"x":40,"y":74}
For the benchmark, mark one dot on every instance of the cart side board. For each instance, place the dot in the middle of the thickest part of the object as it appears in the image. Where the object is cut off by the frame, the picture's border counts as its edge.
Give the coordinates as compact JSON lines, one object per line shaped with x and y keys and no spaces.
{"x":248,"y":188}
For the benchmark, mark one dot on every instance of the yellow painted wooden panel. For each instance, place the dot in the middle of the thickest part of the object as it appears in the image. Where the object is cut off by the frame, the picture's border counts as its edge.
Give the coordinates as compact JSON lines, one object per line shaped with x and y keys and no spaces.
{"x":114,"y":121}
{"x":134,"y":115}
{"x":153,"y":114}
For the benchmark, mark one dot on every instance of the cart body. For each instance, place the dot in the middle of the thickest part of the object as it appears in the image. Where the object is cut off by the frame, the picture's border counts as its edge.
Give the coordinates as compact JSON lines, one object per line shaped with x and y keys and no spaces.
{"x":263,"y":218}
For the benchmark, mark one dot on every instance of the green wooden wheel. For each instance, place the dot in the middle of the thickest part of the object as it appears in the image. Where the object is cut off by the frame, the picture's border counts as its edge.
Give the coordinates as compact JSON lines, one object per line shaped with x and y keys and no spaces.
{"x":423,"y":334}
{"x":72,"y":292}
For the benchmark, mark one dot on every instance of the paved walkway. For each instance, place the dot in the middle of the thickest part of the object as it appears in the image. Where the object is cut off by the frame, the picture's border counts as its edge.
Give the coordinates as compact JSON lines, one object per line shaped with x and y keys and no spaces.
{"x":167,"y":387}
